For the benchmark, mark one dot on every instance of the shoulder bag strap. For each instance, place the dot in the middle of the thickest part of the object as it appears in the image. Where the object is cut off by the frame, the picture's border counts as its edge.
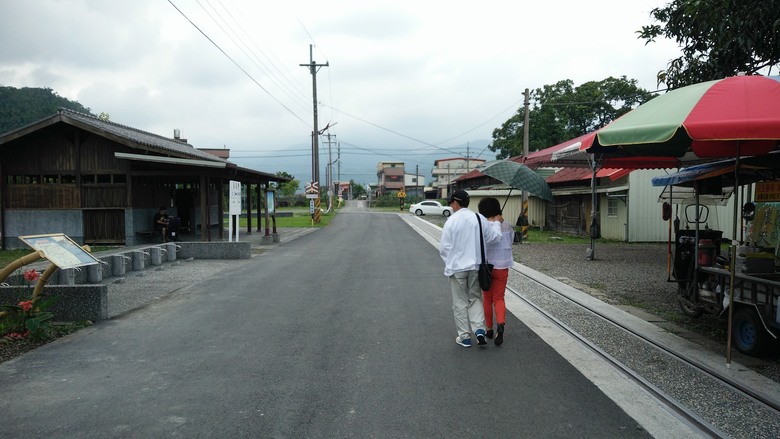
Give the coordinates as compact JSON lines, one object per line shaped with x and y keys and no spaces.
{"x":481,"y":238}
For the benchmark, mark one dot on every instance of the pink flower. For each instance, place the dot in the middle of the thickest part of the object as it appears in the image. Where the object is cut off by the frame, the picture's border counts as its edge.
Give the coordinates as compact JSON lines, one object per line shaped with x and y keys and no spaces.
{"x":32,"y":275}
{"x":26,"y":305}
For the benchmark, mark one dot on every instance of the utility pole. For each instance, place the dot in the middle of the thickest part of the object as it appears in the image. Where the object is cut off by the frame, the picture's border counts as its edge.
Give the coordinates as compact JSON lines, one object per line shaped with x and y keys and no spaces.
{"x":524,"y":226}
{"x":467,"y":156}
{"x":330,"y":172}
{"x":449,"y":176}
{"x":417,"y":181}
{"x":315,"y":160}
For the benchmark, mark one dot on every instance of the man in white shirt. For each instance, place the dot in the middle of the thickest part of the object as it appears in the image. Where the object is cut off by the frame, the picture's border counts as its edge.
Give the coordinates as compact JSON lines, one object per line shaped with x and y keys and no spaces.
{"x":460,"y":250}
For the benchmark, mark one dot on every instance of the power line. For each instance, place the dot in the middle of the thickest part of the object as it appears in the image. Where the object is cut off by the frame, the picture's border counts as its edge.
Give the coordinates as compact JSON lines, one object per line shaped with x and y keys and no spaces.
{"x":389,"y":130}
{"x":236,"y":64}
{"x":485,"y":122}
{"x":282,"y":79}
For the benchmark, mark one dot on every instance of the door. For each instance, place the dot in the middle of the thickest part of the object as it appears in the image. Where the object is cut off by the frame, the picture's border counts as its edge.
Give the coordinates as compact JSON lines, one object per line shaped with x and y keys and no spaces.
{"x":104,"y":226}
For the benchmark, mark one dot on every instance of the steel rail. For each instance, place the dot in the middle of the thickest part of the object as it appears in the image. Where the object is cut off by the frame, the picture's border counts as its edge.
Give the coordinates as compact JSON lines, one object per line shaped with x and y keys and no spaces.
{"x":756,"y":396}
{"x":680,"y":409}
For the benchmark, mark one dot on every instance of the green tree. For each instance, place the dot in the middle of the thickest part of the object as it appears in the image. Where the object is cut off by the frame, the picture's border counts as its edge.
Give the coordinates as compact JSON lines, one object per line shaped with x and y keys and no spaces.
{"x":289,"y":188}
{"x":719,"y":38}
{"x":561,"y":111}
{"x":20,"y":107}
{"x":357,"y":189}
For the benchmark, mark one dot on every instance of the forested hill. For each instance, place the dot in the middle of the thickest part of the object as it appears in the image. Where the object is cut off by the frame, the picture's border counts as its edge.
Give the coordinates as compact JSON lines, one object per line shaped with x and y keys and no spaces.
{"x":22,"y":106}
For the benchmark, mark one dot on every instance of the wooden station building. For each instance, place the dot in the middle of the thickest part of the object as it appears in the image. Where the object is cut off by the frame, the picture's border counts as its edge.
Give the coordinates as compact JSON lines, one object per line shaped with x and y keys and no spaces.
{"x":100,"y":182}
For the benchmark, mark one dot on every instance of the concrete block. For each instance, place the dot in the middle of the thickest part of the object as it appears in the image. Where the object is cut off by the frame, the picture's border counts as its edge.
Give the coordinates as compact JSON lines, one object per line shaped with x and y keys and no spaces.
{"x":215,"y":250}
{"x":275,"y":237}
{"x":73,"y":303}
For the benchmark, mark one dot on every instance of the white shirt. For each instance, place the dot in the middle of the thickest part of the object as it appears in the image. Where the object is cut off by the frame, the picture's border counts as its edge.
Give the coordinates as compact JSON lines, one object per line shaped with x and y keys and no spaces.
{"x":500,"y":254}
{"x":459,"y":245}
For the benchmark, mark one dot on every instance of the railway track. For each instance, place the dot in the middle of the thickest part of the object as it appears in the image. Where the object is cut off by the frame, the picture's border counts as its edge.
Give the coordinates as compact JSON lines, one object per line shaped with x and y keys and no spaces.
{"x":716,"y":400}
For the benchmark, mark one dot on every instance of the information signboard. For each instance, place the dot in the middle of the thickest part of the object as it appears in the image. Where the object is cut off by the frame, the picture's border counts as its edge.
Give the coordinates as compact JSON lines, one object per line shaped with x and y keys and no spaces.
{"x":235,"y":197}
{"x":269,"y":197}
{"x":60,"y":250}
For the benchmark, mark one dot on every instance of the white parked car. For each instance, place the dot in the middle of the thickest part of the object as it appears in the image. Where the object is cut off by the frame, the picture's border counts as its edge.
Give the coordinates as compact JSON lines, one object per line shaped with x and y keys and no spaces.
{"x":430,"y":207}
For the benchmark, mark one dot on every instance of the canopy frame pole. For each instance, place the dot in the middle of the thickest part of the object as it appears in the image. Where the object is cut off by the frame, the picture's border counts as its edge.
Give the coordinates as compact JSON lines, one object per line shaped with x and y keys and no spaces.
{"x":733,"y":261}
{"x":591,"y":254}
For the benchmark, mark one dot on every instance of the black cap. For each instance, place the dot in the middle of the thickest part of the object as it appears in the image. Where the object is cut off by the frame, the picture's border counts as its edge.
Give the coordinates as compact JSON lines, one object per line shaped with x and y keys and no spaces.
{"x":460,"y":196}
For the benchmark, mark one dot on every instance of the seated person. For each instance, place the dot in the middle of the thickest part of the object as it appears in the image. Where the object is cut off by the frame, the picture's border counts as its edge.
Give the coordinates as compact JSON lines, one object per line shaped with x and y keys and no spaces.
{"x":161,"y":221}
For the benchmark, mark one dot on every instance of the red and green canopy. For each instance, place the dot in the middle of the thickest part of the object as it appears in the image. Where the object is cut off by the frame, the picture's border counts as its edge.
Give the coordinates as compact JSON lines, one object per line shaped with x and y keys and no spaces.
{"x":721,"y":118}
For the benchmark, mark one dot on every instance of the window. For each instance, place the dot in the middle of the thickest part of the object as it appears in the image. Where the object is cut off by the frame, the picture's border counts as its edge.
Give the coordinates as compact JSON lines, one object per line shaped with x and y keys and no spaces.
{"x":103,"y":178}
{"x":612,"y":207}
{"x":24,"y":179}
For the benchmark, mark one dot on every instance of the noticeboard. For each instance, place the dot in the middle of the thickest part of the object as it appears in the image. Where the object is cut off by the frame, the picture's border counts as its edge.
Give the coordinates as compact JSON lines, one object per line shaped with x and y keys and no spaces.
{"x":60,"y":250}
{"x":269,"y":197}
{"x":235,"y":198}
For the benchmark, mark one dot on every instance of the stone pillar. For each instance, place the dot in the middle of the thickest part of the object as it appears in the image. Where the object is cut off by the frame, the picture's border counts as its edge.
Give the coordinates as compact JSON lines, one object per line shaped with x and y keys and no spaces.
{"x":95,"y":273}
{"x":67,"y":277}
{"x":156,"y":255}
{"x":138,"y":261}
{"x":118,"y":265}
{"x":170,"y":253}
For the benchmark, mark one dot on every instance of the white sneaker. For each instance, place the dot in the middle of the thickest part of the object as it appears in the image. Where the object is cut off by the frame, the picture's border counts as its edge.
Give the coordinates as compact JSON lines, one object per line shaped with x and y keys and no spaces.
{"x":465,"y":342}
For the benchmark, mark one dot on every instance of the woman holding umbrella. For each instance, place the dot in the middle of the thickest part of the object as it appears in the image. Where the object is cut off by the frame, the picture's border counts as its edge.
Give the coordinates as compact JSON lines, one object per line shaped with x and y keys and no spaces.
{"x":500,"y":255}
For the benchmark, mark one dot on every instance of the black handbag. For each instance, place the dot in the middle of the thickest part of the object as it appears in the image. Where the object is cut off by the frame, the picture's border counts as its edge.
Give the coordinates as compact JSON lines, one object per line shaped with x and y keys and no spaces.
{"x":485,"y":273}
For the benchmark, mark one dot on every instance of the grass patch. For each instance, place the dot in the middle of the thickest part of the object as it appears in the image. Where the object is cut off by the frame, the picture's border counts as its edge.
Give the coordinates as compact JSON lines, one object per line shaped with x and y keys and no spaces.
{"x":548,"y":237}
{"x":8,"y":256}
{"x":301,"y":218}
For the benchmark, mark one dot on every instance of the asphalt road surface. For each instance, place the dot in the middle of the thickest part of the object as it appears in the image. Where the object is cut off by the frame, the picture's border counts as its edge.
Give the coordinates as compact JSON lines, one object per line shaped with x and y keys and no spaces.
{"x":344,"y":333}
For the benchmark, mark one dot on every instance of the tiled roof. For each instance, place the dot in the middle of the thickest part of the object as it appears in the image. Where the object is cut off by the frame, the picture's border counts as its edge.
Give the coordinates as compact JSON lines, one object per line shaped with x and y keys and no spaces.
{"x":153,"y":142}
{"x":579,"y":174}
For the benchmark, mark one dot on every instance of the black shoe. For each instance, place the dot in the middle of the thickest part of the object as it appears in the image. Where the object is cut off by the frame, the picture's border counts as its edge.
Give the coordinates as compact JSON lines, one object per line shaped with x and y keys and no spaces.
{"x":489,"y":334}
{"x":500,"y":334}
{"x":480,"y":333}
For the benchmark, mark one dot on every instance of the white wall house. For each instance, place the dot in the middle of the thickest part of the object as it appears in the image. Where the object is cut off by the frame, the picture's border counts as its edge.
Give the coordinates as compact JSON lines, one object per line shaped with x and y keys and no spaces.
{"x":631,"y":210}
{"x":511,"y":205}
{"x":415,"y":185}
{"x":446,"y":171}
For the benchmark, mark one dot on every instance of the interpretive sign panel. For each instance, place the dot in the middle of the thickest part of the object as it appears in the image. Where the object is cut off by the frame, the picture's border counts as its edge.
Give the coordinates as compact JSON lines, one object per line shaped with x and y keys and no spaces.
{"x":60,"y":250}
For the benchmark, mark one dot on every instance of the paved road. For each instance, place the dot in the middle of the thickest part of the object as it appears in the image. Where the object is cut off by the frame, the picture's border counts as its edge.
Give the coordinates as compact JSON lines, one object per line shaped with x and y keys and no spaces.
{"x":345,"y":332}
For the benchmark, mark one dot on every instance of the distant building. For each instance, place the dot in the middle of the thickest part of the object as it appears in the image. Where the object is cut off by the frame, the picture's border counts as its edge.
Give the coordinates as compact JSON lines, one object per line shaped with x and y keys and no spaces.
{"x":446,"y":171}
{"x":415,"y":185}
{"x":343,"y":190}
{"x":390,"y":177}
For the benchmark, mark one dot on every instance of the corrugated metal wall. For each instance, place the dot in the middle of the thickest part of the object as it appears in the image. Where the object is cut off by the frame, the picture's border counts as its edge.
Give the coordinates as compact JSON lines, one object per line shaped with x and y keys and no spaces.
{"x":513,"y":207}
{"x":644,"y":211}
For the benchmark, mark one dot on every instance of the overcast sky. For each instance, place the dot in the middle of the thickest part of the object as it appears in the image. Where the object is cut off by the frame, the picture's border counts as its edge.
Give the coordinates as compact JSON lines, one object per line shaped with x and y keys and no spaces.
{"x":406,"y":81}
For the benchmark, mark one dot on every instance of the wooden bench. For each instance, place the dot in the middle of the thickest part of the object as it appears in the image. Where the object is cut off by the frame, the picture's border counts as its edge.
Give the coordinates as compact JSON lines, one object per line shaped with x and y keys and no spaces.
{"x":148,"y":233}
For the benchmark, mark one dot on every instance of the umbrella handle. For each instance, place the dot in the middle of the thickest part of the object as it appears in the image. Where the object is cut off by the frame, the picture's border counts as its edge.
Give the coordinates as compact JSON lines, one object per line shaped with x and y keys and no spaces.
{"x":507,"y":199}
